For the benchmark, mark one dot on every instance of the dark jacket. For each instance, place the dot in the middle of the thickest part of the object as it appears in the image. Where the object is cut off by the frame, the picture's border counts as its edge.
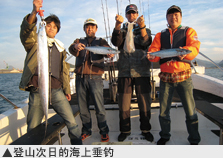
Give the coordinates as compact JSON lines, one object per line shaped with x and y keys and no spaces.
{"x":87,"y":62}
{"x":96,"y":59}
{"x":132,"y":64}
{"x":179,"y":40}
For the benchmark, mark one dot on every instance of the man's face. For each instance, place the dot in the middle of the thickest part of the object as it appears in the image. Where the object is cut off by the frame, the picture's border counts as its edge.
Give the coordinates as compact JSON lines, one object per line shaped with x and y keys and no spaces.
{"x":51,"y":30}
{"x":131,"y":15}
{"x":90,"y":30}
{"x":174,"y":19}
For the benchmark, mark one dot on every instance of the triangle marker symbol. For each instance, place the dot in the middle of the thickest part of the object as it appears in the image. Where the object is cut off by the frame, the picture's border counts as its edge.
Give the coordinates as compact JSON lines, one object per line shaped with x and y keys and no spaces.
{"x":7,"y":154}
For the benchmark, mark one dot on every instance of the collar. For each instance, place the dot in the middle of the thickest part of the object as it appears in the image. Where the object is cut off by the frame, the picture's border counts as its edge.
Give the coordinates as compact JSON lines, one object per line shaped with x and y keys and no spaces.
{"x":59,"y":44}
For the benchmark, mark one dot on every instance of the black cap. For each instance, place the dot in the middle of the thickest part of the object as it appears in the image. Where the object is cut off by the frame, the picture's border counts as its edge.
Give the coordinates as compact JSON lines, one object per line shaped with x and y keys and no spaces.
{"x":132,"y":7}
{"x":173,"y":9}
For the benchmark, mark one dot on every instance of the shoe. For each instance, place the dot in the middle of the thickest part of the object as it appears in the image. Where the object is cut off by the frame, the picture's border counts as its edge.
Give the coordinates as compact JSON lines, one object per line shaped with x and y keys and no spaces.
{"x":104,"y":138}
{"x":148,"y":136}
{"x":162,"y":141}
{"x":84,"y":136}
{"x":123,"y":136}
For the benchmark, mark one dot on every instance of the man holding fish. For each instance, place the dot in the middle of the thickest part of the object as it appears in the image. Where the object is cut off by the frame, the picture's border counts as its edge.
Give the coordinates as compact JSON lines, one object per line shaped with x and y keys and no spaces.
{"x":176,"y":72}
{"x":59,"y":77}
{"x":134,"y":70}
{"x":89,"y":69}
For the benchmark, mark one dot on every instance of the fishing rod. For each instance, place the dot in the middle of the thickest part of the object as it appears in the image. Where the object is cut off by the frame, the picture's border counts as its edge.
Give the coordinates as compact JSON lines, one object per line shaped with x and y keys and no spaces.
{"x":104,"y":19}
{"x":108,"y":21}
{"x":153,"y":92}
{"x":211,"y":61}
{"x":140,"y":7}
{"x":71,"y":56}
{"x":117,"y":7}
{"x":148,"y":14}
{"x":143,"y":11}
{"x":15,"y":107}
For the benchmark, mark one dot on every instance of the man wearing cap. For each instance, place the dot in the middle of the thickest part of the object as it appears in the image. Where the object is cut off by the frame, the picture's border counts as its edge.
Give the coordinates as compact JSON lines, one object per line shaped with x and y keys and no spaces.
{"x":134,"y":70}
{"x":89,"y":69}
{"x":176,"y":73}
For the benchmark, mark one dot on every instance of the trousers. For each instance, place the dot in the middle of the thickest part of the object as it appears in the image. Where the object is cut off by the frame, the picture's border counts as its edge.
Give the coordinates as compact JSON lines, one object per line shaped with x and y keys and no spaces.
{"x":62,"y":107}
{"x":143,"y":93}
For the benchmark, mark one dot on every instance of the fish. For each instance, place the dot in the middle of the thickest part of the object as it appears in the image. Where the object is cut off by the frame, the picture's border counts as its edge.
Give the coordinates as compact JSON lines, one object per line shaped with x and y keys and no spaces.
{"x":129,"y":45}
{"x":102,"y":50}
{"x":167,"y":53}
{"x":43,"y":69}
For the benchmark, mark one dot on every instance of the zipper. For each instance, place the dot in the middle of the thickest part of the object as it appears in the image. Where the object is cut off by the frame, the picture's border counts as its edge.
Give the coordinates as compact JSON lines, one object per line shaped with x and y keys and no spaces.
{"x":83,"y":63}
{"x":91,"y":61}
{"x":171,"y":38}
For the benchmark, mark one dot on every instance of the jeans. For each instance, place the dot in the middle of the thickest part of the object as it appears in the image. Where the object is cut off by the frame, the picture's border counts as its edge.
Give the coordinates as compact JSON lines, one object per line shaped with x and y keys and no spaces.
{"x":87,"y":86}
{"x":62,"y":107}
{"x":185,"y":92}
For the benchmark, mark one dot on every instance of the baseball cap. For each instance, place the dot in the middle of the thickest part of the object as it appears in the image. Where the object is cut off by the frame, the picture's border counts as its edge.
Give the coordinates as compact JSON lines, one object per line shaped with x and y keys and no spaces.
{"x":173,"y":9}
{"x":91,"y":21}
{"x":132,"y":7}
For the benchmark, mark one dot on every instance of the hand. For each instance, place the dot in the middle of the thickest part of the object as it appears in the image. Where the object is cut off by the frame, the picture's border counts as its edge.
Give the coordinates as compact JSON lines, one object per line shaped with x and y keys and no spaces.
{"x":37,"y":4}
{"x":150,"y":57}
{"x":110,"y":55}
{"x":79,"y":46}
{"x":119,"y":19}
{"x":68,"y":96}
{"x":140,"y":21}
{"x":181,"y":57}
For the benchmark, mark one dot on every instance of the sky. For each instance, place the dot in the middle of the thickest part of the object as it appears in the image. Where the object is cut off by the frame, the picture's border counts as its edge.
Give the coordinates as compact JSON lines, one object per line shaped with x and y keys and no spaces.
{"x":205,"y":16}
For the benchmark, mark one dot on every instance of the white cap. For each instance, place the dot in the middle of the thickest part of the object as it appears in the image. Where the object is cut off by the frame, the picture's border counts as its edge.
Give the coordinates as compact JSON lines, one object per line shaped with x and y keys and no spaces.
{"x":91,"y":21}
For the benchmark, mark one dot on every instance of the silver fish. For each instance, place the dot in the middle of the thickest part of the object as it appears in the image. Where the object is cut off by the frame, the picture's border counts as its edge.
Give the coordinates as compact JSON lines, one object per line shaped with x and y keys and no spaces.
{"x":102,"y":50}
{"x":166,"y":53}
{"x":43,"y":69}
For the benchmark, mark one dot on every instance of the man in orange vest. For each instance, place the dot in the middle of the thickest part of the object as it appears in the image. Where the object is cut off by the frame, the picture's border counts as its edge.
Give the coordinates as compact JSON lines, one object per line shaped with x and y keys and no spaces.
{"x":176,"y":73}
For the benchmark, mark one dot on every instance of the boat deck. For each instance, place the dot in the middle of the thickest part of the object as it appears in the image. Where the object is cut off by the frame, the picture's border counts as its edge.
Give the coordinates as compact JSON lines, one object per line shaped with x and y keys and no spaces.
{"x":207,"y":129}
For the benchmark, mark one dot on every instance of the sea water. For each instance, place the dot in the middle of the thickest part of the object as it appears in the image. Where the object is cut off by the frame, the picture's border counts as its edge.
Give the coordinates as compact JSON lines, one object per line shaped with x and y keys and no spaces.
{"x":9,"y":87}
{"x":217,"y":73}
